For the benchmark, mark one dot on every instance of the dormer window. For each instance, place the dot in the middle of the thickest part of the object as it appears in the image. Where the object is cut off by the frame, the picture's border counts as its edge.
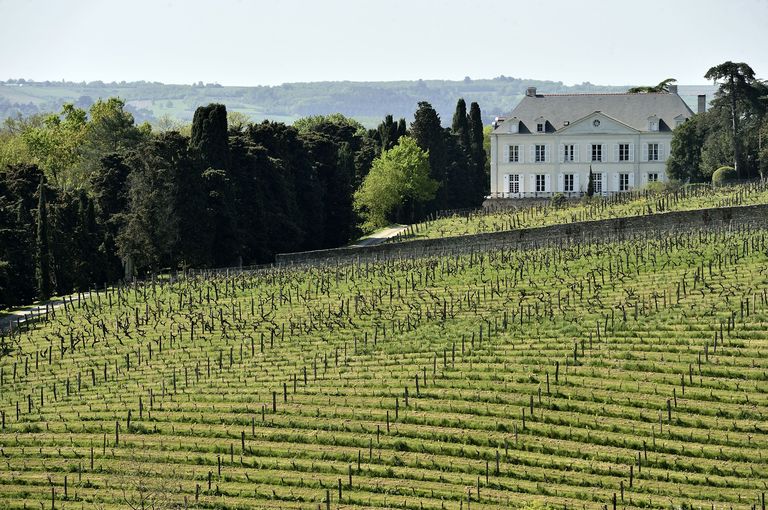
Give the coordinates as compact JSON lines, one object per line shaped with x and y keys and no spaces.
{"x":653,"y":123}
{"x":541,"y":125}
{"x":513,"y":125}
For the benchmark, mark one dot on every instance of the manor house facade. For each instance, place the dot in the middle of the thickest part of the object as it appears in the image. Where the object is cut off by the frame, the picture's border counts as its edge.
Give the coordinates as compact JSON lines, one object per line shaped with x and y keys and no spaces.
{"x":549,"y":142}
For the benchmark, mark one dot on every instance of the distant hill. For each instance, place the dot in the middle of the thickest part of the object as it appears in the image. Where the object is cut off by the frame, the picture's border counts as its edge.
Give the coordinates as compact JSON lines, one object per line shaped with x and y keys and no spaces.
{"x":368,"y":102}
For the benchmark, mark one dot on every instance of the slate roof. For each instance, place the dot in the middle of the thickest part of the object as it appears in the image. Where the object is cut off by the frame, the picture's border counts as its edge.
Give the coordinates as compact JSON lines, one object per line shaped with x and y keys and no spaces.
{"x":631,"y":109}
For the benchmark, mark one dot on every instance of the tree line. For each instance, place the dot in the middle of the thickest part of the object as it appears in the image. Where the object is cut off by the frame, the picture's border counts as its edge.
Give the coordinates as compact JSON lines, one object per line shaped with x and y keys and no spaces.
{"x":733,"y":132}
{"x":90,"y":197}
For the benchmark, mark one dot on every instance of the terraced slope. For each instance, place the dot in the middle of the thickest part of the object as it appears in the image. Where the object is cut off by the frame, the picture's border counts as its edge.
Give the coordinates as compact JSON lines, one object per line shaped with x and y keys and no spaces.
{"x":559,"y":377}
{"x":617,"y":206}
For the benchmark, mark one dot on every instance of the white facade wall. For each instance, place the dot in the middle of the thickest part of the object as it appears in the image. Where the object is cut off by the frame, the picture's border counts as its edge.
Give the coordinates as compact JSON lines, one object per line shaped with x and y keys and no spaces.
{"x":609,"y":135}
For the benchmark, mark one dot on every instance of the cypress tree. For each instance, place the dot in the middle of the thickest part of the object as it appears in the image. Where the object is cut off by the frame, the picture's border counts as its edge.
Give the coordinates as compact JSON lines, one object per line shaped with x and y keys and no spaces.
{"x":402,"y":128}
{"x":481,"y":177}
{"x":43,"y":268}
{"x":460,"y":125}
{"x":591,"y":183}
{"x":209,"y":137}
{"x":429,"y":136}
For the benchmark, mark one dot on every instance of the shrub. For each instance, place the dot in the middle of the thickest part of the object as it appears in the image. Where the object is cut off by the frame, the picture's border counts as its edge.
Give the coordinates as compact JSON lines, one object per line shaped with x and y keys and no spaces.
{"x":723,"y":175}
{"x":557,"y":201}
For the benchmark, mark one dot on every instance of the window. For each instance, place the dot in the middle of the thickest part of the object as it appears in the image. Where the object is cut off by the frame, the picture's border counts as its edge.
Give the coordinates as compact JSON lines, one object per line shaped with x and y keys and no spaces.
{"x":540,"y":127}
{"x":653,"y":152}
{"x":514,"y":153}
{"x":568,"y":183}
{"x":597,"y":152}
{"x":514,"y":183}
{"x":540,"y":154}
{"x":598,"y":182}
{"x":624,"y":152}
{"x":569,"y":153}
{"x":541,"y":182}
{"x":653,"y":177}
{"x":623,"y":182}
{"x":653,"y":125}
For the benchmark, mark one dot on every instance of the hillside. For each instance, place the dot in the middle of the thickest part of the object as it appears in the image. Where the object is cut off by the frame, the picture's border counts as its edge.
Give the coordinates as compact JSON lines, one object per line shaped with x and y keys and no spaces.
{"x":367,"y":102}
{"x":621,"y":374}
{"x":622,"y":205}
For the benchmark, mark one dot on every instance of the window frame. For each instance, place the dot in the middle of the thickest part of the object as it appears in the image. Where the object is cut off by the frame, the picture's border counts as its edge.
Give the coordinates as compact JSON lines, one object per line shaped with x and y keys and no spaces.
{"x":653,"y":151}
{"x":597,"y":181}
{"x":569,"y":157}
{"x":623,"y":181}
{"x":596,"y":148}
{"x":568,"y":183}
{"x":655,"y":177}
{"x":516,"y":150}
{"x":540,"y":181}
{"x":624,"y":155}
{"x":539,"y":153}
{"x":514,"y":179}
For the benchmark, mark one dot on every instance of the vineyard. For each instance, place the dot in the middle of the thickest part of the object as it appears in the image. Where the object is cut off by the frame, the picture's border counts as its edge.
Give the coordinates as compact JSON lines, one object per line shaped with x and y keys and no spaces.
{"x":622,"y":205}
{"x":587,"y":376}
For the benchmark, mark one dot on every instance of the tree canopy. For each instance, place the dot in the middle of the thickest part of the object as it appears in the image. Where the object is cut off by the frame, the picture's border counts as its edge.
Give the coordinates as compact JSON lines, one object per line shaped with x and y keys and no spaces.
{"x":399,"y":180}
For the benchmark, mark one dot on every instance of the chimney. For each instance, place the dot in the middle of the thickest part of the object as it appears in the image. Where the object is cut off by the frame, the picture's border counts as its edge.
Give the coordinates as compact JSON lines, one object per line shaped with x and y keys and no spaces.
{"x":702,"y":103}
{"x":531,"y":92}
{"x":673,"y":89}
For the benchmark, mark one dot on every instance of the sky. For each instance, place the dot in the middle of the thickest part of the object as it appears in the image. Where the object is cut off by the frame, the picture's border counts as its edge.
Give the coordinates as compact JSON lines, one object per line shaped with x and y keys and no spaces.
{"x":270,"y":42}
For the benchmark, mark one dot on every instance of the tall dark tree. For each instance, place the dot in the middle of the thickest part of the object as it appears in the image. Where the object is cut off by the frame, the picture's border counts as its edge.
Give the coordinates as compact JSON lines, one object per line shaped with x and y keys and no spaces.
{"x":209,"y":138}
{"x":737,"y":87}
{"x":429,"y":136}
{"x":43,"y":248}
{"x":460,"y":125}
{"x":685,"y":162}
{"x":110,"y":200}
{"x":387,"y":132}
{"x":591,"y":183}
{"x":480,"y":177}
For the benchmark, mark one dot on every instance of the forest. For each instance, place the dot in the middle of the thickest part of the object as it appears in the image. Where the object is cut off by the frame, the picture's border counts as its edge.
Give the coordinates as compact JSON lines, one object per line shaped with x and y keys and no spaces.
{"x":90,"y":197}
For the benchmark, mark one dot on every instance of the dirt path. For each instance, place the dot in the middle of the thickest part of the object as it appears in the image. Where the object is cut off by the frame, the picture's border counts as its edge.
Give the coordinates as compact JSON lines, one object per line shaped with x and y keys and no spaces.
{"x":379,"y":237}
{"x":23,"y":314}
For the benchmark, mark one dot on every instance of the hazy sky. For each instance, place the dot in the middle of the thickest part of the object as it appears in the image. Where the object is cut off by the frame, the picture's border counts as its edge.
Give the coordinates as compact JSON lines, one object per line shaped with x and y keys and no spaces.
{"x":268,"y":42}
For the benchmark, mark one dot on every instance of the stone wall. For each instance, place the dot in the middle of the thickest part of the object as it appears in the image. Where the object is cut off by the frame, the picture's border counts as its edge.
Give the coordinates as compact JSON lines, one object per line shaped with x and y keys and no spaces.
{"x":598,"y":230}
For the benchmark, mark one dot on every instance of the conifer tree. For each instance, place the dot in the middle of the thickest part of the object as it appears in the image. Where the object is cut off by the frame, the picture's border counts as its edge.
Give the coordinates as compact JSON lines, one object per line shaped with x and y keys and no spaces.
{"x":460,"y":125}
{"x":591,"y":183}
{"x":429,"y":136}
{"x":481,"y":179}
{"x":43,"y":268}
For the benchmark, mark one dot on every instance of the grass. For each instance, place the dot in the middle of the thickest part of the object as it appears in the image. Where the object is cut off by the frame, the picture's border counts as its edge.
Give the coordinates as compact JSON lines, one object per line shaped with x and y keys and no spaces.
{"x":636,"y":204}
{"x":545,"y":378}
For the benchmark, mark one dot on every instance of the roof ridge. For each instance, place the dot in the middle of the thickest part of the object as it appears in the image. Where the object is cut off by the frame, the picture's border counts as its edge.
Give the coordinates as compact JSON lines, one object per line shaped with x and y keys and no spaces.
{"x":641,"y":94}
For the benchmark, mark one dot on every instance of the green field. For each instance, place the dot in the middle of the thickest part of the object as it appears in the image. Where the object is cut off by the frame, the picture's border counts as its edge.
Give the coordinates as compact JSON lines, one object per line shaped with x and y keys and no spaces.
{"x":618,"y":206}
{"x":559,"y":377}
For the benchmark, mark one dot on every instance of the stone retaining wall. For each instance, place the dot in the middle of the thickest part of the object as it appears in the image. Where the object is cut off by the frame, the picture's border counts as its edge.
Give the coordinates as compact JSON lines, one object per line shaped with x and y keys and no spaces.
{"x":598,"y":230}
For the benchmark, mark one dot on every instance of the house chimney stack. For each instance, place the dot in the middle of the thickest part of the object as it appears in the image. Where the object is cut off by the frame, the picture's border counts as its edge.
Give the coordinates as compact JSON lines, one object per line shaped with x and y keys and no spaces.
{"x":531,"y":92}
{"x":702,"y":103}
{"x":673,"y":89}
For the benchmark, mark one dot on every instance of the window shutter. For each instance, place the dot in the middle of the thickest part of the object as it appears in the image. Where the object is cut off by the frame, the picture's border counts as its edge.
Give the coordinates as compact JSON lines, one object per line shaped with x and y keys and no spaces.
{"x":520,"y":154}
{"x":560,"y":183}
{"x":604,"y":180}
{"x":632,"y":152}
{"x":644,"y":178}
{"x":532,"y":152}
{"x":615,"y":182}
{"x":561,"y":158}
{"x":661,"y":152}
{"x":644,"y":154}
{"x":632,"y":180}
{"x":576,"y":183}
{"x":576,"y":152}
{"x":616,"y":152}
{"x":548,"y":153}
{"x":547,"y":183}
{"x":603,"y":155}
{"x":521,"y":181}
{"x":506,"y":154}
{"x":533,"y":182}
{"x":505,"y":190}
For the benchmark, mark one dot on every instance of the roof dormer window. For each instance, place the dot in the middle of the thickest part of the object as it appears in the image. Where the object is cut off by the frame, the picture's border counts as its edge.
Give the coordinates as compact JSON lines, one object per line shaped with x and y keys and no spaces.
{"x":513,"y":126}
{"x":541,"y":125}
{"x":653,"y":123}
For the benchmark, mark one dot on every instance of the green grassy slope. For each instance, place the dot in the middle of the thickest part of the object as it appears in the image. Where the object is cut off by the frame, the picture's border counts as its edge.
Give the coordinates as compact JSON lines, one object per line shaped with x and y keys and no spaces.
{"x":618,"y":206}
{"x":552,"y":377}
